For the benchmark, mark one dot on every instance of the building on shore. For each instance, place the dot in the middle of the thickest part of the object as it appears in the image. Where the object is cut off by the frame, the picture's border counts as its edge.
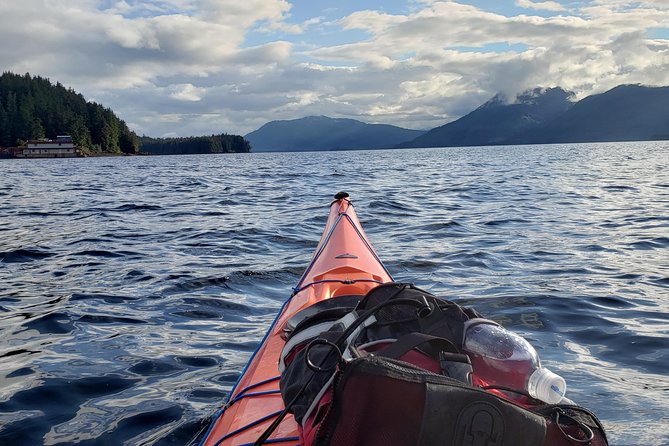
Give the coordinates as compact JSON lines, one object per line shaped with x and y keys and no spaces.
{"x":61,"y":147}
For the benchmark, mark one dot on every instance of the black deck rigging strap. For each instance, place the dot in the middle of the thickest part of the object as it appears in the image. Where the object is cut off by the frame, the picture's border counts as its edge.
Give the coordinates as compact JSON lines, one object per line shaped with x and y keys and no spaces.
{"x":339,"y":346}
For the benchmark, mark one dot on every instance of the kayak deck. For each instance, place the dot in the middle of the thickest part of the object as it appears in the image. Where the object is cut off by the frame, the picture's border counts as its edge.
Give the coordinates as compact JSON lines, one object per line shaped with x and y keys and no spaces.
{"x":344,"y":264}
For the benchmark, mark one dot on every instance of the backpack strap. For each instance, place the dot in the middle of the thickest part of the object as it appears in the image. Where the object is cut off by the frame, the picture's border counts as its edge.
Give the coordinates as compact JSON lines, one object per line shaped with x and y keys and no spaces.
{"x":431,"y":345}
{"x":452,"y":363}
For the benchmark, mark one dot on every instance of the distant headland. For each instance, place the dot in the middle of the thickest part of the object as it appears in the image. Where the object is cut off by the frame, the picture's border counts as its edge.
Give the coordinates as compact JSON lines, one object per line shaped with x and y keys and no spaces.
{"x":41,"y":120}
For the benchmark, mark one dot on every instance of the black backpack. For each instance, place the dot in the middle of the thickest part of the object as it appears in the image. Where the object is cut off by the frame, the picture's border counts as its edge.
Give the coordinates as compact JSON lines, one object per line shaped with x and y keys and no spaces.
{"x":388,"y":369}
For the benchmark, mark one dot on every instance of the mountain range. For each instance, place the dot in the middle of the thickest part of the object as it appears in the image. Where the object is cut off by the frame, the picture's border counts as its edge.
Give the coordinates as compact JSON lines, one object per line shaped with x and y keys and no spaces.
{"x":537,"y":116}
{"x":498,"y":120}
{"x":625,"y":113}
{"x":324,"y":133}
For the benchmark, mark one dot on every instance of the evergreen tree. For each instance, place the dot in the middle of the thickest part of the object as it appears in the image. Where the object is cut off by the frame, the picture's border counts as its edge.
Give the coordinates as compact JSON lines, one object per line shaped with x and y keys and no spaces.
{"x":79,"y":132}
{"x":13,"y":123}
{"x":37,"y":129}
{"x":129,"y":142}
{"x":5,"y":136}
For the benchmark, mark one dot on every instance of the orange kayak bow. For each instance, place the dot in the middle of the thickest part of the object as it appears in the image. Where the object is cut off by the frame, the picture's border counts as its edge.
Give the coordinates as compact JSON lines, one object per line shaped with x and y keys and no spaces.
{"x":344,"y":264}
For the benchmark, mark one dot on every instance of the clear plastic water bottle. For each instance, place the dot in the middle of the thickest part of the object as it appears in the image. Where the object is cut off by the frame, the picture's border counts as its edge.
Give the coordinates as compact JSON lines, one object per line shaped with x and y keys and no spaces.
{"x":502,"y":358}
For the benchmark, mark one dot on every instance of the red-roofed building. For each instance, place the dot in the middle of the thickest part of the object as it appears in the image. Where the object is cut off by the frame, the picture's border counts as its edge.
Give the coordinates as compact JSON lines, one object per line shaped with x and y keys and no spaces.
{"x":61,"y":147}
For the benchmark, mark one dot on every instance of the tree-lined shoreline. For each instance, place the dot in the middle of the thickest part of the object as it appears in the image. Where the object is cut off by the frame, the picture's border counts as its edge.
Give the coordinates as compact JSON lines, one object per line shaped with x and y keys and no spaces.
{"x":32,"y":108}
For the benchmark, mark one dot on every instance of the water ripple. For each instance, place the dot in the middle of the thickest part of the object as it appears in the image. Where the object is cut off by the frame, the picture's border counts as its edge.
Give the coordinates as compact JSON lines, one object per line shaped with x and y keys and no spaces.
{"x":131,"y":302}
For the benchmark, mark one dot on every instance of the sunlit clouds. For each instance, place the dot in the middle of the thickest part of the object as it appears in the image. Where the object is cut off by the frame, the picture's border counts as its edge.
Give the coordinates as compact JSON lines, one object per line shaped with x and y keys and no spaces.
{"x":189,"y":67}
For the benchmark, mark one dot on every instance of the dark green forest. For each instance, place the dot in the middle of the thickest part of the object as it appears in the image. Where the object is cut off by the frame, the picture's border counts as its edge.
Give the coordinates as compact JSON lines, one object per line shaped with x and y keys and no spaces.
{"x":34,"y":108}
{"x":222,"y":143}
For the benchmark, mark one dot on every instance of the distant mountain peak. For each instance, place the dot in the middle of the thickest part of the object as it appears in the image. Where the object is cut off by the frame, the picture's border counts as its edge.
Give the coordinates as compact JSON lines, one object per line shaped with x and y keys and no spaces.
{"x":539,"y":94}
{"x":533,"y":96}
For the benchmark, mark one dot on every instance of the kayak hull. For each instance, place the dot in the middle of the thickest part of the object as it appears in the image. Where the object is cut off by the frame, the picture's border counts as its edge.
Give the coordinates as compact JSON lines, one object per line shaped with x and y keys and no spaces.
{"x":344,"y":263}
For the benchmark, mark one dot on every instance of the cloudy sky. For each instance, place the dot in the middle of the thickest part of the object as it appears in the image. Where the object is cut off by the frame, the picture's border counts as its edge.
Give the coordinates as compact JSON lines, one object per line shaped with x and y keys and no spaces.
{"x":194,"y":67}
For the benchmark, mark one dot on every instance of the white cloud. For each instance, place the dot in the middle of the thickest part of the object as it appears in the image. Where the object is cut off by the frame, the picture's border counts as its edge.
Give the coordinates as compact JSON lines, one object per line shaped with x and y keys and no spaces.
{"x":263,"y":56}
{"x":186,"y":92}
{"x":541,"y":6}
{"x":632,"y":4}
{"x":129,"y":34}
{"x":569,"y":51}
{"x":191,"y":63}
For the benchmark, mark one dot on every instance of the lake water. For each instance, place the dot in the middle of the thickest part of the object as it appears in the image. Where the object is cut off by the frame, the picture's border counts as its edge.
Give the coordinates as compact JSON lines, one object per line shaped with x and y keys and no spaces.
{"x":134,"y":289}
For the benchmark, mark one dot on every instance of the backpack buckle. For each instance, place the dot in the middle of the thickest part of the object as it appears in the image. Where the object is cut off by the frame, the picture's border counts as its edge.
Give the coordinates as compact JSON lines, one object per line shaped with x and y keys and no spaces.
{"x":456,"y":366}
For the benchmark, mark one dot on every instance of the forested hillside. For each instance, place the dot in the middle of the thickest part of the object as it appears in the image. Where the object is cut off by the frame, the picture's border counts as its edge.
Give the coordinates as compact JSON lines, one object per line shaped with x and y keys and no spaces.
{"x":222,"y":143}
{"x":34,"y":108}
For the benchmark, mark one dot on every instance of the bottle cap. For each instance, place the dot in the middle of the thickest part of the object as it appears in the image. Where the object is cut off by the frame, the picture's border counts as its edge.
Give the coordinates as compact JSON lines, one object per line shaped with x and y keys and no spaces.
{"x":546,"y":386}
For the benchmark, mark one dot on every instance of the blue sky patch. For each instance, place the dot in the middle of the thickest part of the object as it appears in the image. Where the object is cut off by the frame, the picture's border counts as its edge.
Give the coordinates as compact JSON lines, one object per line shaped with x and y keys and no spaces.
{"x":658,"y":33}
